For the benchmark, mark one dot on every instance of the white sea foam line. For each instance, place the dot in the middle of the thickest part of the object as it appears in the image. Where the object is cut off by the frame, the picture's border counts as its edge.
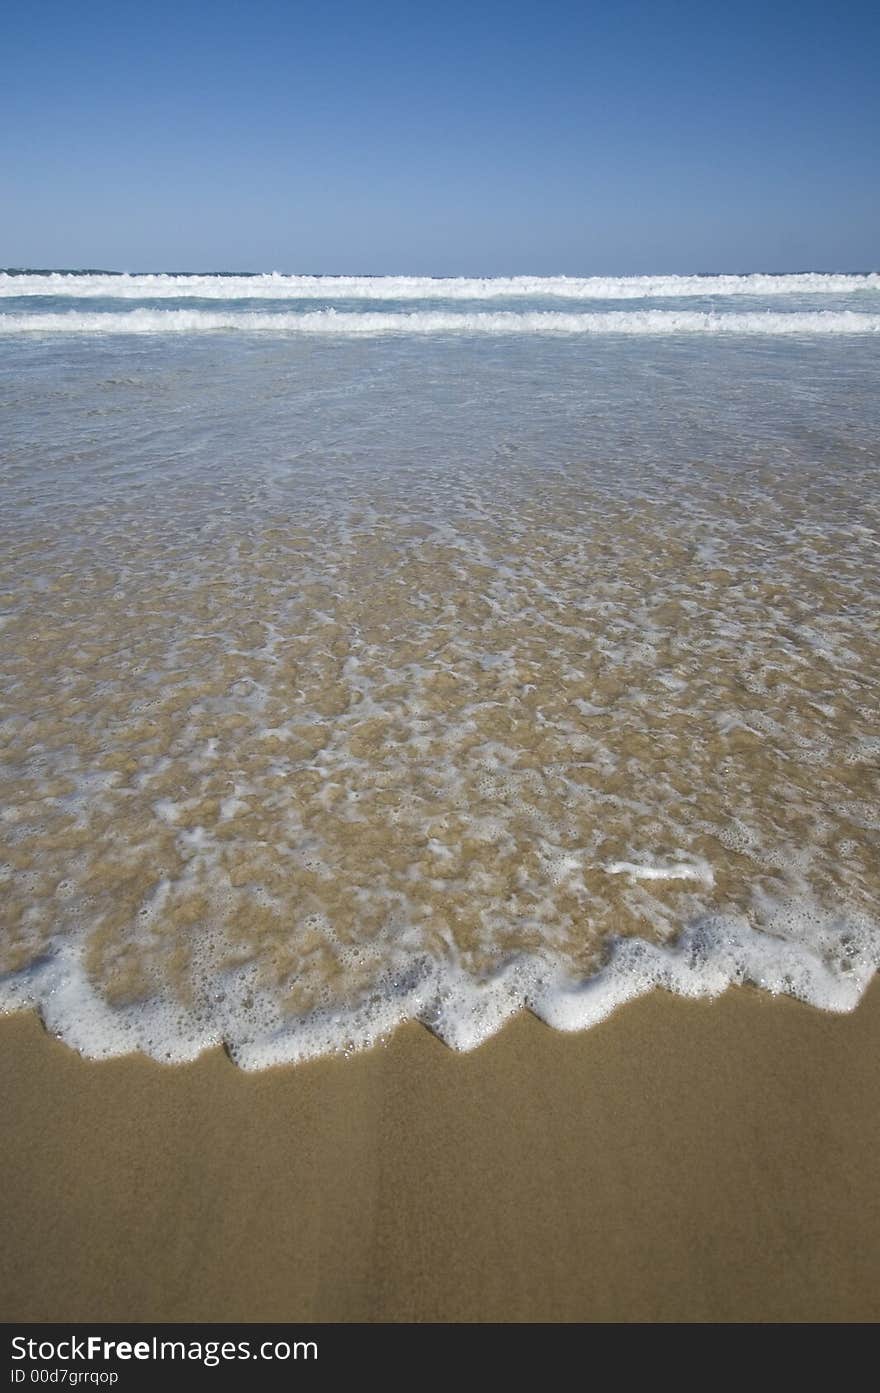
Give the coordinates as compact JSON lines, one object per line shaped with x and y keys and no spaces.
{"x":628,"y":322}
{"x":275,"y":286}
{"x":826,"y":962}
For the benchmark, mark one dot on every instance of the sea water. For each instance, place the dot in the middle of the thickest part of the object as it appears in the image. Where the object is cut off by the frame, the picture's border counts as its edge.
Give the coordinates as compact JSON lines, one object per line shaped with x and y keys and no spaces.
{"x":394,"y":648}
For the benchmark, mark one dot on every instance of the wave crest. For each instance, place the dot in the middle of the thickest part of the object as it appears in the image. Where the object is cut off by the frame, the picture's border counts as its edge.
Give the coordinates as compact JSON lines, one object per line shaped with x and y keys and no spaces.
{"x":275,"y":286}
{"x":628,"y":322}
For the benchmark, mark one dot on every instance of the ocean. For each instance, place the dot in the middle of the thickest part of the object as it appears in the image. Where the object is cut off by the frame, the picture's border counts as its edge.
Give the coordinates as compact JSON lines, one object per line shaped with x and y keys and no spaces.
{"x":392,"y":648}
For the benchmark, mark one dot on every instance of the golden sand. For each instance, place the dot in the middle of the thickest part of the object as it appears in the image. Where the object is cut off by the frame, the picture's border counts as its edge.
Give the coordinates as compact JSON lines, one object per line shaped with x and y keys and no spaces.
{"x":682,"y":1161}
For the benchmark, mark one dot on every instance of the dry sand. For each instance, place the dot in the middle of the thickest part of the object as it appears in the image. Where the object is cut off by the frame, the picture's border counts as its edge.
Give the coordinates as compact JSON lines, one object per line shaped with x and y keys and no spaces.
{"x":682,"y":1161}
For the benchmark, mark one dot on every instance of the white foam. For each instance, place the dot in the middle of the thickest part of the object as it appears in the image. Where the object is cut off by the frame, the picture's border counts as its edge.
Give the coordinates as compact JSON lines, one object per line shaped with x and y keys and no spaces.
{"x":679,"y":870}
{"x":802,"y":952}
{"x":276,"y":286}
{"x":716,"y":954}
{"x":327,"y":322}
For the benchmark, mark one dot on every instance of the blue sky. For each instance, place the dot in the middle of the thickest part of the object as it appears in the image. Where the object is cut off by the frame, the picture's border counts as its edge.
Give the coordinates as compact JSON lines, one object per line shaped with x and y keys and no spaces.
{"x":446,"y":139}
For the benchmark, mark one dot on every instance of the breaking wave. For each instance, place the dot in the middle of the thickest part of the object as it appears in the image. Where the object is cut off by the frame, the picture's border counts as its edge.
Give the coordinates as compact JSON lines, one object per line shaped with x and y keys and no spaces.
{"x":330,"y":321}
{"x":274,"y":286}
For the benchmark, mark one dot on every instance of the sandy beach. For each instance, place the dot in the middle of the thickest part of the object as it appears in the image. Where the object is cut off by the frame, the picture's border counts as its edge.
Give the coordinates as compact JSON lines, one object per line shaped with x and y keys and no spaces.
{"x":439,"y":726}
{"x":684,"y":1161}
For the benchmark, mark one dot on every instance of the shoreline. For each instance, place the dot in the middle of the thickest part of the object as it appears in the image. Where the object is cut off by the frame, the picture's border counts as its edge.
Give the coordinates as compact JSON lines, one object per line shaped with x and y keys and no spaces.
{"x":682,"y":1160}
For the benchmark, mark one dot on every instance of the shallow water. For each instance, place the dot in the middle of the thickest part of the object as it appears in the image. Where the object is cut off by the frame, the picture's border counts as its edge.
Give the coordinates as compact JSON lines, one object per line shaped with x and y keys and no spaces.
{"x":357,"y":677}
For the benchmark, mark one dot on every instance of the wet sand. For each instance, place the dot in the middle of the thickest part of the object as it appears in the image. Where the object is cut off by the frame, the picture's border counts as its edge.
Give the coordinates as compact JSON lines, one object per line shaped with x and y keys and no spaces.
{"x":681,"y":1161}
